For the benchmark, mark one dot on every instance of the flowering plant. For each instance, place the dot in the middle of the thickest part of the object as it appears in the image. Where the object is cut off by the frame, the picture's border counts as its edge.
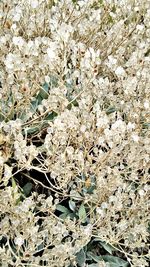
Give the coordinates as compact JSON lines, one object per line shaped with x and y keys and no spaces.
{"x":74,"y":133}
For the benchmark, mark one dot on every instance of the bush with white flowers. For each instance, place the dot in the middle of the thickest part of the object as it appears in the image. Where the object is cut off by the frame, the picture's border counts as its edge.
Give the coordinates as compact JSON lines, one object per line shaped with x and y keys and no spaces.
{"x":74,"y":133}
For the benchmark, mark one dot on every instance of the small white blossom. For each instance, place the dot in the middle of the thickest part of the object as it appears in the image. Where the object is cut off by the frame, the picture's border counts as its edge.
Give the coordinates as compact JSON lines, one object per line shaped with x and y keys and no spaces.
{"x":19,"y":241}
{"x":146,"y":104}
{"x":9,"y":61}
{"x":135,"y":137}
{"x":17,"y":14}
{"x":34,"y":3}
{"x":102,"y":122}
{"x":104,"y":205}
{"x":120,"y":71}
{"x":18,"y":41}
{"x":88,"y":230}
{"x":101,"y":212}
{"x":130,"y":126}
{"x":112,"y":61}
{"x":83,"y":128}
{"x":140,"y":27}
{"x":47,"y":79}
{"x":119,"y":125}
{"x":51,"y":53}
{"x":141,"y":192}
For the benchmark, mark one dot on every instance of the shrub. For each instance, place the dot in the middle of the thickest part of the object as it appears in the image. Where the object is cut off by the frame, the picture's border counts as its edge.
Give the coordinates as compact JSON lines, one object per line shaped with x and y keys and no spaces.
{"x":74,"y":133}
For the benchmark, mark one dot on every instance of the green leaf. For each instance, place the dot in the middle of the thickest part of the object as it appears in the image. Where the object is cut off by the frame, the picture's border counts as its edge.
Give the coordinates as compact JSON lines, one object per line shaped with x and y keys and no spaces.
{"x":146,"y":125}
{"x":110,"y":110}
{"x":82,"y":213}
{"x":34,"y":105}
{"x":16,"y":194}
{"x":147,"y":53}
{"x":110,"y":19}
{"x":62,"y":209}
{"x":76,"y":196}
{"x":105,"y":245}
{"x":14,"y":185}
{"x":32,"y":130}
{"x":101,"y":2}
{"x":72,"y":215}
{"x":44,"y":91}
{"x":92,"y":256}
{"x":74,"y":103}
{"x":40,"y":247}
{"x":51,"y":116}
{"x":53,"y":81}
{"x":113,"y":9}
{"x":27,"y":189}
{"x":81,"y":258}
{"x":72,"y":205}
{"x":115,"y":261}
{"x":63,"y":215}
{"x":94,"y":265}
{"x":43,"y":94}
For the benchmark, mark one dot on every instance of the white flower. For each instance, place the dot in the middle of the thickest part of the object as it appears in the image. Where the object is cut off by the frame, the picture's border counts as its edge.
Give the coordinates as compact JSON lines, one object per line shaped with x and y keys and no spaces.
{"x":88,"y":230}
{"x":146,"y":104}
{"x":65,"y":31}
{"x":83,"y":128}
{"x":17,"y":13}
{"x":104,"y":205}
{"x":119,"y":125}
{"x":135,"y":137}
{"x":112,"y":199}
{"x":7,"y":173}
{"x":100,"y":212}
{"x":112,"y":60}
{"x":30,"y":44}
{"x":107,"y":133}
{"x":81,"y":3}
{"x":9,"y":61}
{"x":47,"y":79}
{"x":17,"y":40}
{"x":102,"y":122}
{"x":141,"y":192}
{"x":19,"y":241}
{"x":49,"y":201}
{"x":51,"y":53}
{"x":34,"y":3}
{"x":119,"y":71}
{"x":130,"y":126}
{"x":14,"y":26}
{"x":3,"y":40}
{"x":140,"y":27}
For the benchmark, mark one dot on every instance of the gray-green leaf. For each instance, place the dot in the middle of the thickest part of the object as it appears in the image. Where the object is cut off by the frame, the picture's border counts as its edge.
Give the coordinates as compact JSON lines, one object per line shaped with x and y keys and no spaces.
{"x":81,"y":258}
{"x":115,"y":261}
{"x":92,"y":256}
{"x":82,"y":213}
{"x":72,"y":205}
{"x":110,"y":110}
{"x":105,"y":245}
{"x":27,"y":189}
{"x":62,"y":209}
